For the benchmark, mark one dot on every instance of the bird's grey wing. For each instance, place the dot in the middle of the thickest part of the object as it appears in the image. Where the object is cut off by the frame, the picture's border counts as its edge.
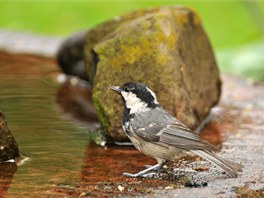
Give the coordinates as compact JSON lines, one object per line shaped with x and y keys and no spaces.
{"x":161,"y":127}
{"x":147,"y":126}
{"x":148,"y":132}
{"x":180,"y":136}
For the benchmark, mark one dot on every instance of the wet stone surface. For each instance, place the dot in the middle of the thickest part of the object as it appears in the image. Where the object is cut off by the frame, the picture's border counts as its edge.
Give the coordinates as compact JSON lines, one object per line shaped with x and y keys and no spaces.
{"x":8,"y":145}
{"x":63,"y":163}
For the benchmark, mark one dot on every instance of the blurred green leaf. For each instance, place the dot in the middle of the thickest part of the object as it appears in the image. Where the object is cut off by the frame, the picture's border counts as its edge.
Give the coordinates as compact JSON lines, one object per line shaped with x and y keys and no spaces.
{"x":247,"y":60}
{"x":228,"y":23}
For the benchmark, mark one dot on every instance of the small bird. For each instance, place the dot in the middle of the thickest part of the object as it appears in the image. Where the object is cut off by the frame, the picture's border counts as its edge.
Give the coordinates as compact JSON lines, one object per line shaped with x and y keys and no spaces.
{"x":157,"y":134}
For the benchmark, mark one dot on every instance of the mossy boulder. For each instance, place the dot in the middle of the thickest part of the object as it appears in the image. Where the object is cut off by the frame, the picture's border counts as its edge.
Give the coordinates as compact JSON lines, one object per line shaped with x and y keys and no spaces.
{"x":8,"y":145}
{"x":165,"y":48}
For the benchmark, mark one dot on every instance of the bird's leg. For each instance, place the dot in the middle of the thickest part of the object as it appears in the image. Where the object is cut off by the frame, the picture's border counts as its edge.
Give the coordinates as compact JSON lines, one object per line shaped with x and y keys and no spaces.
{"x":143,"y":172}
{"x":160,"y":169}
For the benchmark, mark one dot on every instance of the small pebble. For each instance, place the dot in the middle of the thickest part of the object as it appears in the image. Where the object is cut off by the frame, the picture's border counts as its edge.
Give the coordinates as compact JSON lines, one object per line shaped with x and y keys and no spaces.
{"x":120,"y":188}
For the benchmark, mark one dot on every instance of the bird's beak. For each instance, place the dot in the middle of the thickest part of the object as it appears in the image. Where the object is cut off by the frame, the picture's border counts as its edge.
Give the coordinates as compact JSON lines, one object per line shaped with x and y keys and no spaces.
{"x":115,"y":88}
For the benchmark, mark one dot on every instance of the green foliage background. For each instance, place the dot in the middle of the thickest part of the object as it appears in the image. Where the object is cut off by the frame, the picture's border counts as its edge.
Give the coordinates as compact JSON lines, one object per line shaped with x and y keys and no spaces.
{"x":235,"y":28}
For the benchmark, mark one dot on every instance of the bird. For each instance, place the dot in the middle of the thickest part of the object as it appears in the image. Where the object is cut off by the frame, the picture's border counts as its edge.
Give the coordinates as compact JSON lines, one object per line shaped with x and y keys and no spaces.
{"x":158,"y":134}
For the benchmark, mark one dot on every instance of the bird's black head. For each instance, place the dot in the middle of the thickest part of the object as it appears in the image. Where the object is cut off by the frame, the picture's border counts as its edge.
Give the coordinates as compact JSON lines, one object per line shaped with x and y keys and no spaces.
{"x":137,"y":96}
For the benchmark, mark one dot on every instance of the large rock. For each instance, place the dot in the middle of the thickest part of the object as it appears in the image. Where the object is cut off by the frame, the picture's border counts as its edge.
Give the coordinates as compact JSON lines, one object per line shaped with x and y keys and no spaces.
{"x":8,"y":145}
{"x":165,"y":48}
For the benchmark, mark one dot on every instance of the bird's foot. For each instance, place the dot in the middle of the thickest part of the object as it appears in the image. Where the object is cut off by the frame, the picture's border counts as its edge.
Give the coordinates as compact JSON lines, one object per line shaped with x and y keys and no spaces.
{"x":147,"y":166}
{"x":160,"y":169}
{"x":130,"y":175}
{"x":146,"y":175}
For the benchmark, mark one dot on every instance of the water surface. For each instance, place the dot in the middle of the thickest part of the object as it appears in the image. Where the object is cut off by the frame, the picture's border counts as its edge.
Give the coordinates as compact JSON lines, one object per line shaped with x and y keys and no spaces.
{"x":55,"y":145}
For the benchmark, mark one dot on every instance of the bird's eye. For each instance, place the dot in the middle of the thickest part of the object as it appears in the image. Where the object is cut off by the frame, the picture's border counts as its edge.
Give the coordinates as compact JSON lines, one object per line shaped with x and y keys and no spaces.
{"x":126,"y":89}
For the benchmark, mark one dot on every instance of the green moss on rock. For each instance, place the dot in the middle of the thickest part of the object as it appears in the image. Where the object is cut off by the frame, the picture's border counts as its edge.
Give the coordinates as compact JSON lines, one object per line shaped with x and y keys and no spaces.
{"x":165,"y":48}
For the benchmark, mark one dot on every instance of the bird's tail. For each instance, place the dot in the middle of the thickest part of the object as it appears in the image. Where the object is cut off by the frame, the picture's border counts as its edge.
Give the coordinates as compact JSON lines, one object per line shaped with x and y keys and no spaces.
{"x":229,"y":167}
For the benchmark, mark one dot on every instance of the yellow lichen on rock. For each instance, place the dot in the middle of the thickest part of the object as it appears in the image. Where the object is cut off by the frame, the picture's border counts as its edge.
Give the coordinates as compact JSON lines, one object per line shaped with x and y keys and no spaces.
{"x":164,"y":48}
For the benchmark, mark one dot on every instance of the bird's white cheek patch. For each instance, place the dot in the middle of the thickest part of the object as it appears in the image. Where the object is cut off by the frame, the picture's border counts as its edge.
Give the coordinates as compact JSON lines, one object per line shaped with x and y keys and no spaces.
{"x":154,"y":95}
{"x":134,"y":103}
